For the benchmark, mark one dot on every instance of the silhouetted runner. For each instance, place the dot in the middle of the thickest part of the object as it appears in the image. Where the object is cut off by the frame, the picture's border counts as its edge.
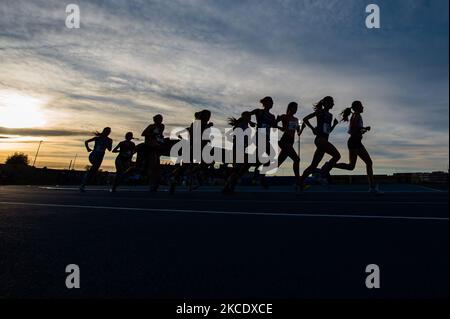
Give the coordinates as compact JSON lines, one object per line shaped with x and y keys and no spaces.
{"x":192,"y":169}
{"x":264,"y":120}
{"x":154,"y":141}
{"x":325,"y":125}
{"x":239,"y":169}
{"x":290,"y":127}
{"x":126,"y":150}
{"x":355,"y":146}
{"x":102,"y":143}
{"x":198,"y":170}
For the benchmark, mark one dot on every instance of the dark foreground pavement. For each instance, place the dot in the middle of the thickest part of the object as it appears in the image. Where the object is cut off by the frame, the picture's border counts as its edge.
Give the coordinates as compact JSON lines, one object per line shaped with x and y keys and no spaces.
{"x":205,"y":245}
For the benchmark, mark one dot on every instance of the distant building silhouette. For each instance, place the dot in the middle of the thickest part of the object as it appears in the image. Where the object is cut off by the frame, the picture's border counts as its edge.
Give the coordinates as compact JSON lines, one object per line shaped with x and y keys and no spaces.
{"x":414,"y":178}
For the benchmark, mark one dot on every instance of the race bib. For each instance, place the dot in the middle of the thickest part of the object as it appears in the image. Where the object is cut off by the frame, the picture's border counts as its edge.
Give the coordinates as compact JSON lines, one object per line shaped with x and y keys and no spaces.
{"x":293,"y":125}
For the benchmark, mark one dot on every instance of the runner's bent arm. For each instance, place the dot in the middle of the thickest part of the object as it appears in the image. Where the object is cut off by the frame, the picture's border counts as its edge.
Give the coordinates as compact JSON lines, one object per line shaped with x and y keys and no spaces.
{"x":87,"y":144}
{"x":307,"y":123}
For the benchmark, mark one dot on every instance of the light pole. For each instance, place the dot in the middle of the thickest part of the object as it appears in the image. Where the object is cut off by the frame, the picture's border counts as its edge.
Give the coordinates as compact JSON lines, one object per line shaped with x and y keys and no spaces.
{"x":74,"y":161}
{"x":37,"y":153}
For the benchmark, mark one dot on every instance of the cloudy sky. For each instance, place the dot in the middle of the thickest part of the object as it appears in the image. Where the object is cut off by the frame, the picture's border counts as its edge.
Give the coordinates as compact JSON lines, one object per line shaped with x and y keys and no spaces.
{"x":132,"y":59}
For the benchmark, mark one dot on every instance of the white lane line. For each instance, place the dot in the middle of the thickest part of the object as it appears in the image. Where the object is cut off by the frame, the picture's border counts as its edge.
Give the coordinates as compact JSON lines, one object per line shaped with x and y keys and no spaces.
{"x":431,"y":189}
{"x":264,"y":201}
{"x":158,"y":210}
{"x":272,"y":201}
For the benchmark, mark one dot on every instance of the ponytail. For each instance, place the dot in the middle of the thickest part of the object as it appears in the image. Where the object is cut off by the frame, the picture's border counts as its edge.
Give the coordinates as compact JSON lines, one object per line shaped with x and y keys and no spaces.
{"x":318,"y":106}
{"x":245,"y":117}
{"x":106,"y":131}
{"x":321,"y":104}
{"x":233,"y":121}
{"x":346,"y":114}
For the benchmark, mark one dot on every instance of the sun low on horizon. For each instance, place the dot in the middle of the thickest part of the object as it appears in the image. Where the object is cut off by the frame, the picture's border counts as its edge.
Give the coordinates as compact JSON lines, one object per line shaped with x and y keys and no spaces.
{"x":20,"y":110}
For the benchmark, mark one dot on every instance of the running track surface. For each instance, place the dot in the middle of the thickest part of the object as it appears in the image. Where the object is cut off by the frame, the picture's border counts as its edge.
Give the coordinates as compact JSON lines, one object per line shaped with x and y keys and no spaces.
{"x":255,"y":244}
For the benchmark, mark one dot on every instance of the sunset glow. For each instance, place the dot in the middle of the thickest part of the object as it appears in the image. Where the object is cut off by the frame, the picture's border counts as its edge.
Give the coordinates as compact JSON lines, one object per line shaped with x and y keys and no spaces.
{"x":19,"y":110}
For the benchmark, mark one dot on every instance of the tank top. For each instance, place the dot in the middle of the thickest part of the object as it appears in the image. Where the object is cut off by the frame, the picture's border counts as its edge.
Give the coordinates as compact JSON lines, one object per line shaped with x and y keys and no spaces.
{"x":290,"y":126}
{"x":154,"y":133}
{"x":126,"y":150}
{"x":355,"y":126}
{"x":265,"y":119}
{"x":324,"y":120}
{"x":101,"y":144}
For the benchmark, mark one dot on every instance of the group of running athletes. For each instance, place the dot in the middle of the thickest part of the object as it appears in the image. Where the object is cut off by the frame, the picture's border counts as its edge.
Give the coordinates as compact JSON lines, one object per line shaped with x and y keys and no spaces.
{"x":156,"y":145}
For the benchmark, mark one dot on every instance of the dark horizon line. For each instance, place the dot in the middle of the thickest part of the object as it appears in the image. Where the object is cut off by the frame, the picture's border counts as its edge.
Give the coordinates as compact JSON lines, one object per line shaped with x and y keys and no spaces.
{"x":385,"y":174}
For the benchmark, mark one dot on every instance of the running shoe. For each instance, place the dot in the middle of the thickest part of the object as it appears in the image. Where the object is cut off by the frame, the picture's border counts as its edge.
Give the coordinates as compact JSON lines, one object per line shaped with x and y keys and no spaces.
{"x":375,"y":190}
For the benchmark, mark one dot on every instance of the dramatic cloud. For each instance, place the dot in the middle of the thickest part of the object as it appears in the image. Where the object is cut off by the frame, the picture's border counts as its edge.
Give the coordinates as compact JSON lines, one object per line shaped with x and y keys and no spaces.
{"x":41,"y":132}
{"x":132,"y":59}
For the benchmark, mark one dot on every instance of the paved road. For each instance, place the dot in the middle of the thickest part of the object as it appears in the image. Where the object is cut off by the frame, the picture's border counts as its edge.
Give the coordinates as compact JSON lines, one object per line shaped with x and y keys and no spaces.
{"x":274,"y":244}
